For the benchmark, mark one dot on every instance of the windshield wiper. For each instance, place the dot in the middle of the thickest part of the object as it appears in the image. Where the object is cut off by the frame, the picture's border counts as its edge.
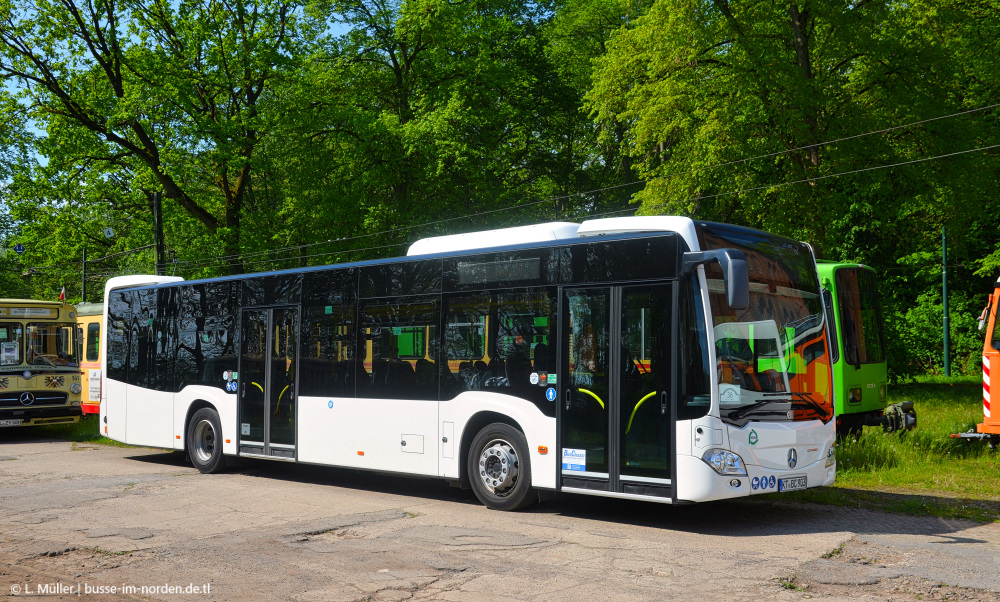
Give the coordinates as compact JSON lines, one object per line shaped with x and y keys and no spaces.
{"x":746,"y":410}
{"x":800,"y":398}
{"x":803,"y":399}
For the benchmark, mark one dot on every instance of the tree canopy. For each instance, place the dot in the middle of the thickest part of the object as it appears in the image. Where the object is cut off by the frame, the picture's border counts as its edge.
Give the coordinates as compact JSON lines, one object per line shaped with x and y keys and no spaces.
{"x":282,"y":134}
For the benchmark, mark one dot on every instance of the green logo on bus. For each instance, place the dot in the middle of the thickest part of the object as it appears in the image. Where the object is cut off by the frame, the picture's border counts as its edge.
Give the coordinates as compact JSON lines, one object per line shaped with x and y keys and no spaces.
{"x":753,"y":437}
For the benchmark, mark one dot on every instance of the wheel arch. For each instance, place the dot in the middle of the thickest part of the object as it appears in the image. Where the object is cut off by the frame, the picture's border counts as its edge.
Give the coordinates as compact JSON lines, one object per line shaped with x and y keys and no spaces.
{"x":195,"y":405}
{"x":472,"y":428}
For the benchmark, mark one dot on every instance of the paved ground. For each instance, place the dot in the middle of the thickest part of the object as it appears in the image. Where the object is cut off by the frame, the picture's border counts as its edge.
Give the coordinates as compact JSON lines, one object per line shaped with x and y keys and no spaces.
{"x":87,"y":516}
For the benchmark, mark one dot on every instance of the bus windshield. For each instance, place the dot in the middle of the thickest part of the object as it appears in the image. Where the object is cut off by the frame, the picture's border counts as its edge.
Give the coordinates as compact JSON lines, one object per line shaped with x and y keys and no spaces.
{"x":860,"y":318}
{"x":772,"y":359}
{"x":38,"y":344}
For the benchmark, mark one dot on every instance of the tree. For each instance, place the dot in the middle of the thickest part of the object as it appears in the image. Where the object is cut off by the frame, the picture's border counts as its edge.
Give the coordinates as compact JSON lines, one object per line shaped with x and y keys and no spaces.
{"x":179,"y":92}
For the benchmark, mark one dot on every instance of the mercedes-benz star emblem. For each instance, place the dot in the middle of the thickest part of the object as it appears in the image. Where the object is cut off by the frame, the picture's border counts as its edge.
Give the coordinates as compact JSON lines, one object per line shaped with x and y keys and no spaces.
{"x":27,"y":399}
{"x":793,"y":458}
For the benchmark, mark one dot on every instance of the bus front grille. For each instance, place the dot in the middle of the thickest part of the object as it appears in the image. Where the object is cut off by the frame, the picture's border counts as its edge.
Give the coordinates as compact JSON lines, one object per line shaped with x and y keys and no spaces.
{"x":31,"y":399}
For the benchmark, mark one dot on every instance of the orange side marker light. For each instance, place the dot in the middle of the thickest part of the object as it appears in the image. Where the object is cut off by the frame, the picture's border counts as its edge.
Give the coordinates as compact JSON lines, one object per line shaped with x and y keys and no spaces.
{"x":543,"y":449}
{"x":361,"y":453}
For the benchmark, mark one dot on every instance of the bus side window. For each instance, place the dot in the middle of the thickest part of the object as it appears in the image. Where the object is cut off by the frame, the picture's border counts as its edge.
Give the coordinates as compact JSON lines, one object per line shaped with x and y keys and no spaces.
{"x":93,"y":341}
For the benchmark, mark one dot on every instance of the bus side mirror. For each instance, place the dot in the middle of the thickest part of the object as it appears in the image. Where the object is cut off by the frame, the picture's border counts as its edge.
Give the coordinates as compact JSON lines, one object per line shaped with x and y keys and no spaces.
{"x":734,"y":272}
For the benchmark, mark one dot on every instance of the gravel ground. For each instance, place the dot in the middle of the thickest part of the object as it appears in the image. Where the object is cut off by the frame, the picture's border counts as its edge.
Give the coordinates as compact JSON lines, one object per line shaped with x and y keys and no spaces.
{"x":89,"y":516}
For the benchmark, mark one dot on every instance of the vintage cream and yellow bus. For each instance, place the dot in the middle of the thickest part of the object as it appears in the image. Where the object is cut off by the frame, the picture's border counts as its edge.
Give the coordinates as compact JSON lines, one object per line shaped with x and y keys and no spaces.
{"x":39,"y":365}
{"x":647,"y":358}
{"x":89,"y":319}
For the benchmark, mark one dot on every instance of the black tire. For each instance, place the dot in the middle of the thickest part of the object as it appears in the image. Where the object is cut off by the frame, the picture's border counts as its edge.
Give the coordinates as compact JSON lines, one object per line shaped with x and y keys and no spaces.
{"x":500,"y":469}
{"x":204,"y":441}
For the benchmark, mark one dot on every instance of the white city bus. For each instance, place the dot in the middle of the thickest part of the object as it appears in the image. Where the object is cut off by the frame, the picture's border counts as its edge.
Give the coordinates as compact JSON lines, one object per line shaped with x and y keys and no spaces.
{"x":591,"y":358}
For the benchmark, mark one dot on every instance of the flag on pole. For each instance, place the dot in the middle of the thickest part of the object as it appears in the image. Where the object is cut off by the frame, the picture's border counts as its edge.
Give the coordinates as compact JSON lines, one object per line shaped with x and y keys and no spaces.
{"x":62,"y":293}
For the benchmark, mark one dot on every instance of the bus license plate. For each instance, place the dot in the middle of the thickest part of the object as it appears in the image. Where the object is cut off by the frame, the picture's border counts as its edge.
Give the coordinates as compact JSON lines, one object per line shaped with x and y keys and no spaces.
{"x":11,"y":422}
{"x":791,"y":483}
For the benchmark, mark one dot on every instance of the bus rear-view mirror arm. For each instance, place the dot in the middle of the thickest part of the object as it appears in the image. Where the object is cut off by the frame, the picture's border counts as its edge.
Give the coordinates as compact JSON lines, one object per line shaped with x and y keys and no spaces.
{"x":734,"y":272}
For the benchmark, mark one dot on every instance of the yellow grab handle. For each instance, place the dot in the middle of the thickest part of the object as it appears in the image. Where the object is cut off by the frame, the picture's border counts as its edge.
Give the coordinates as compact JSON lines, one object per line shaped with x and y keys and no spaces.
{"x":592,"y":394}
{"x":636,"y":409}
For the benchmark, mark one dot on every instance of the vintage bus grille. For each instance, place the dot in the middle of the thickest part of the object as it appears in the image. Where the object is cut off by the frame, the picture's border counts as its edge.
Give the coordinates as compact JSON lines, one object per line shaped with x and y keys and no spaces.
{"x":12,"y":399}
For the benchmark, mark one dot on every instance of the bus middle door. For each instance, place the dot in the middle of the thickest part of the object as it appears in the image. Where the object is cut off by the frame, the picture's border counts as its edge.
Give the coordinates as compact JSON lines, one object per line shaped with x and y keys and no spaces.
{"x":268,"y":349}
{"x":616,"y":416}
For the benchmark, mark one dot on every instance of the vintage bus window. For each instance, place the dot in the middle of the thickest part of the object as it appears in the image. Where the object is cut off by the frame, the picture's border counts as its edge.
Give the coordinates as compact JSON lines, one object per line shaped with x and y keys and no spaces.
{"x":11,"y":341}
{"x":860,"y":317}
{"x":51,"y":344}
{"x":93,"y":342}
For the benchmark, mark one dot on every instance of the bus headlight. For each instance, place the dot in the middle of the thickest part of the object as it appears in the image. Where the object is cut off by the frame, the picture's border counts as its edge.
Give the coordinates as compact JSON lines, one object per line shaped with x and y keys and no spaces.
{"x":75,"y":388}
{"x":831,"y":456}
{"x":724,"y":462}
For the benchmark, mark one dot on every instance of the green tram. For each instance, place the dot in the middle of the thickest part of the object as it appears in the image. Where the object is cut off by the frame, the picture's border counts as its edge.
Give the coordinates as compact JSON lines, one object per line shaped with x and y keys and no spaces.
{"x":850,"y":295}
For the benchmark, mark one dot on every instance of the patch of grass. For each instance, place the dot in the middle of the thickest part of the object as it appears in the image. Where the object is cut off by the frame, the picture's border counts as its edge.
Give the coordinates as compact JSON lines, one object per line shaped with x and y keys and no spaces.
{"x":87,"y":430}
{"x":789,"y":583}
{"x":925,"y":471}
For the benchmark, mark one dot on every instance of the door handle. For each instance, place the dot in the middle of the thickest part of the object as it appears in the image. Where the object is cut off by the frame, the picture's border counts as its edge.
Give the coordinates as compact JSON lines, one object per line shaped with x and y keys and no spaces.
{"x":569,"y":396}
{"x":663,"y":402}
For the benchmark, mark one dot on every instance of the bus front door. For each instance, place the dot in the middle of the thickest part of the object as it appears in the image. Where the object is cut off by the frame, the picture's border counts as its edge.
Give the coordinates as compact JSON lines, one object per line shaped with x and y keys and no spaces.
{"x":266,"y":383}
{"x":616,"y":416}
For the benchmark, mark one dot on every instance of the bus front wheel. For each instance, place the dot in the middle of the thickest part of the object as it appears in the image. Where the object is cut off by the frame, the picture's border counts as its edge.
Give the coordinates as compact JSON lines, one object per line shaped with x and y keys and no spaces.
{"x":204,"y":441}
{"x":499,"y":468}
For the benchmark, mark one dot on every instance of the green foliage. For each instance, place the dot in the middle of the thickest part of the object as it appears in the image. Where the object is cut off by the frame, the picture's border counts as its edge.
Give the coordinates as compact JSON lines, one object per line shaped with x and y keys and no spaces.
{"x":285,"y":134}
{"x":925,"y":471}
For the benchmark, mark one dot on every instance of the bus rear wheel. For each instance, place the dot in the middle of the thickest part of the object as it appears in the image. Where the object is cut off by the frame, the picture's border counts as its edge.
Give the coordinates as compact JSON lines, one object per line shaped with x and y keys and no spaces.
{"x":499,"y":468}
{"x":204,"y":441}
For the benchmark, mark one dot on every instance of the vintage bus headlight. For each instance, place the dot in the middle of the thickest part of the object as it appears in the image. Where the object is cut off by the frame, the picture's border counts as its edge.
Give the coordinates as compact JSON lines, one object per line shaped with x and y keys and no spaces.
{"x":831,"y":456}
{"x":75,"y":388}
{"x":882,"y":394}
{"x":724,"y":462}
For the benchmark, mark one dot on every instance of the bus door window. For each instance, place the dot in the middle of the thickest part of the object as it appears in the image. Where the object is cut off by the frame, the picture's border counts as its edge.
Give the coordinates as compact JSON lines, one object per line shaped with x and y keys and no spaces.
{"x":644,"y":385}
{"x":587,"y":386}
{"x":282,"y":378}
{"x":252,"y":372}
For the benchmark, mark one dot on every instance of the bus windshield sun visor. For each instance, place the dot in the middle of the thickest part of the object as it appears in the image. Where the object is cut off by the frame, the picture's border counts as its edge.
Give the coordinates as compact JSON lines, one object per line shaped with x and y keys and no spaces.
{"x":734,"y":270}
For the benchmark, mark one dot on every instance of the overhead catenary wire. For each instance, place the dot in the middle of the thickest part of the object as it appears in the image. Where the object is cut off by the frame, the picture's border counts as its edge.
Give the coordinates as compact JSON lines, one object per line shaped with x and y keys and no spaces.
{"x":250,"y":257}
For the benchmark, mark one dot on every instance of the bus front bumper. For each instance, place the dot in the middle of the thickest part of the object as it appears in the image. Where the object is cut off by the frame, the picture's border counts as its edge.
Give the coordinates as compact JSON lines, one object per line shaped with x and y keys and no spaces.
{"x":37,"y":416}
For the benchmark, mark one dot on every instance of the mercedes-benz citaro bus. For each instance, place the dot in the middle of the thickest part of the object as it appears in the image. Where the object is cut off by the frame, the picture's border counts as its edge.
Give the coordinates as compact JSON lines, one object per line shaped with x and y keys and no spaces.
{"x":650,"y":358}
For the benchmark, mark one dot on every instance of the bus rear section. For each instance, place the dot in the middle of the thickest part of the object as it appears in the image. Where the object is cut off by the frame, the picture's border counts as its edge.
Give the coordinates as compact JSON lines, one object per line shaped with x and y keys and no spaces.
{"x":39,"y":367}
{"x":89,"y":319}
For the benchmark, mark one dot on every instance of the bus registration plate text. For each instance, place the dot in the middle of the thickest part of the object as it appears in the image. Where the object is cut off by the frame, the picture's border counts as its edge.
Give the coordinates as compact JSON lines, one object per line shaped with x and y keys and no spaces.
{"x":791,"y":483}
{"x":11,"y":422}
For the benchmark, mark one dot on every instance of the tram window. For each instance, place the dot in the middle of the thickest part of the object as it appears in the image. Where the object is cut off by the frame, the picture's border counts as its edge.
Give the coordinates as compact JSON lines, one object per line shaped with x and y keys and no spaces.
{"x":400,"y":351}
